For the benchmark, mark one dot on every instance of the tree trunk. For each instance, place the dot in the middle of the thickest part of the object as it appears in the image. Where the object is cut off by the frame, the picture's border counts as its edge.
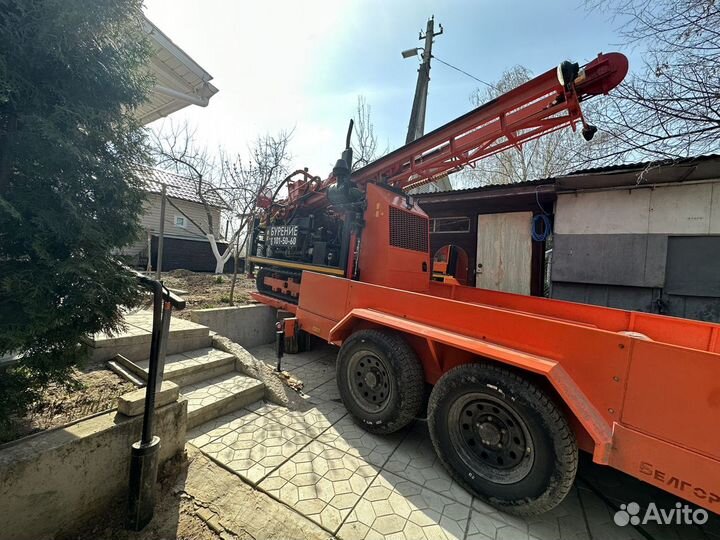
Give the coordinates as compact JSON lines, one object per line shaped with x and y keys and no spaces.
{"x":220,"y":260}
{"x":234,"y":278}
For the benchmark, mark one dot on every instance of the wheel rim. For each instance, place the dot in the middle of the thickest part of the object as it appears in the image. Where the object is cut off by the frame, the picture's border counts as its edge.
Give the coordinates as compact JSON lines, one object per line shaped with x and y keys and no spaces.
{"x":369,"y":381}
{"x":491,"y":438}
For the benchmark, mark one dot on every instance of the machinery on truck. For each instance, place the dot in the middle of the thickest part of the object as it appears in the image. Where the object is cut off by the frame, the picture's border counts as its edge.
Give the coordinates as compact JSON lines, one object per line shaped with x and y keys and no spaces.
{"x":519,"y":384}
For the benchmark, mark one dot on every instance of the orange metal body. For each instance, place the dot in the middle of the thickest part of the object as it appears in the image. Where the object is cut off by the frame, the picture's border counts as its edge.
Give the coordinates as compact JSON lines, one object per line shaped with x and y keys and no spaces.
{"x":390,"y":228}
{"x":642,"y":390}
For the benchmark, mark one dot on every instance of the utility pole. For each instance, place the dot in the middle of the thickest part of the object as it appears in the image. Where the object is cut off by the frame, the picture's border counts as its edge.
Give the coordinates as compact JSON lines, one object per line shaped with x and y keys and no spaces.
{"x":158,"y":260}
{"x":416,"y":127}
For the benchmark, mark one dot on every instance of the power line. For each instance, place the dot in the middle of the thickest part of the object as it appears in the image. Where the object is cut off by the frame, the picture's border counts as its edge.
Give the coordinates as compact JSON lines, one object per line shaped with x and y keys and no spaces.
{"x":463,"y":72}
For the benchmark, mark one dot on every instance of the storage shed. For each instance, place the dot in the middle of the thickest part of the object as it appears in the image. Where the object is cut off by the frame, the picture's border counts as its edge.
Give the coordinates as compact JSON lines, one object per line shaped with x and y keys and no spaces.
{"x":185,"y":244}
{"x":642,"y":236}
{"x":491,"y":225}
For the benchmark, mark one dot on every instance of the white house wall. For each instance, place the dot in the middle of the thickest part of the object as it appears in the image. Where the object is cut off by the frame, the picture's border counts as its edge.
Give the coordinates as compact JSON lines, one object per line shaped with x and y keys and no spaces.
{"x":150,"y":221}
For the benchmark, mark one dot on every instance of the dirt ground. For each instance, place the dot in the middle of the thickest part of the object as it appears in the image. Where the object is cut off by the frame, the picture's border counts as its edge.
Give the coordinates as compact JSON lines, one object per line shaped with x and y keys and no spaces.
{"x":97,"y":390}
{"x":205,"y":290}
{"x":200,"y":500}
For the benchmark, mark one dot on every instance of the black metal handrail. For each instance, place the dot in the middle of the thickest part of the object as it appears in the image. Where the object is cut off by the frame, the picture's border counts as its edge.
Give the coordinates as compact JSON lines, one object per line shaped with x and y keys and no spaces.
{"x":145,"y":453}
{"x":163,"y":302}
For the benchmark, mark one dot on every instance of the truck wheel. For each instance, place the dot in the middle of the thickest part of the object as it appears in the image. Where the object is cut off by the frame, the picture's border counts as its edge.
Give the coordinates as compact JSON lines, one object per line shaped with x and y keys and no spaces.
{"x":502,"y":438}
{"x":380,"y":380}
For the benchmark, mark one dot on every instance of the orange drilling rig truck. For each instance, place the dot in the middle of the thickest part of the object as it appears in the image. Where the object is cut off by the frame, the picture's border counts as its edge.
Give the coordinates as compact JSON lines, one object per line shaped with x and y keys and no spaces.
{"x":519,"y":384}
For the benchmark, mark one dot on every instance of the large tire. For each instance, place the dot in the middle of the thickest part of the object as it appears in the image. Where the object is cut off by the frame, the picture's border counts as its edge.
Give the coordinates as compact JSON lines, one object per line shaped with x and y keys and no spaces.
{"x":380,"y":380}
{"x":503,"y":438}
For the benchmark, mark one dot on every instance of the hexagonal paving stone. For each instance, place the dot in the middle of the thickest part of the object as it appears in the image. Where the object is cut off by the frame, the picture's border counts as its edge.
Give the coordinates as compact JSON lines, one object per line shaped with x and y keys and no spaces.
{"x":217,"y":427}
{"x":322,"y":352}
{"x":314,"y":374}
{"x":312,"y":420}
{"x":256,"y":448}
{"x":321,"y":482}
{"x":325,"y":392}
{"x":349,"y":437}
{"x":487,"y":522}
{"x":396,"y":508}
{"x":415,"y":460}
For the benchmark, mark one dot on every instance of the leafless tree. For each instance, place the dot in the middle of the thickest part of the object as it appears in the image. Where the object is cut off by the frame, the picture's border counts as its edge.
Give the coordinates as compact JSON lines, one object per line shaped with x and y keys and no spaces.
{"x":175,"y":148}
{"x":553,"y":154}
{"x":238,"y":180}
{"x":364,"y":140}
{"x":245,"y":178}
{"x":670,"y":105}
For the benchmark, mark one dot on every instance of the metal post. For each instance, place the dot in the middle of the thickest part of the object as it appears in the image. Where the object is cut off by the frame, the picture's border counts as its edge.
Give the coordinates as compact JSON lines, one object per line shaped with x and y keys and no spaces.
{"x":250,"y":247}
{"x":158,"y":262}
{"x":164,"y":332}
{"x":146,"y":452}
{"x":148,"y":267}
{"x":279,"y":345}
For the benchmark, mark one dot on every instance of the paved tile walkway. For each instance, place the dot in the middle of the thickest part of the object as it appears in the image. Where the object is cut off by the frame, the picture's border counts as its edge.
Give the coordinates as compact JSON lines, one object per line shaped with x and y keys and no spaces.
{"x":358,"y":485}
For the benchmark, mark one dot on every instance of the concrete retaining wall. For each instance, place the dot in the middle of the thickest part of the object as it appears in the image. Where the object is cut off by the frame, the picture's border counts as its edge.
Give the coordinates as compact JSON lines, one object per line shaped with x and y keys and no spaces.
{"x":52,"y":482}
{"x":248,"y":326}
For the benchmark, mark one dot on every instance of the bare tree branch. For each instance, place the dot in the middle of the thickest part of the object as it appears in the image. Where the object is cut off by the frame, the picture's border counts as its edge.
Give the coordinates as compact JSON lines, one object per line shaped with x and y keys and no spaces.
{"x":364,"y":140}
{"x":239,"y":180}
{"x":669,"y":107}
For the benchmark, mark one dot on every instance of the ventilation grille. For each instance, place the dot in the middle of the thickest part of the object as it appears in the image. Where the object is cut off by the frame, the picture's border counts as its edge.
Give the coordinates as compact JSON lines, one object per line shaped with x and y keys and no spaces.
{"x":408,"y":231}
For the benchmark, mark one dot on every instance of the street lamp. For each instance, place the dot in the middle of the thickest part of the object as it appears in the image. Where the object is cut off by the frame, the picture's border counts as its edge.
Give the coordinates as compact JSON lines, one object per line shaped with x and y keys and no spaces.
{"x":409,"y":53}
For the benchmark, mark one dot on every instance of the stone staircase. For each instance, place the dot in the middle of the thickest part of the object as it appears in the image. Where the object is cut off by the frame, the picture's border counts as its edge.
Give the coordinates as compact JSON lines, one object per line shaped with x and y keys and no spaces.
{"x":207,"y":377}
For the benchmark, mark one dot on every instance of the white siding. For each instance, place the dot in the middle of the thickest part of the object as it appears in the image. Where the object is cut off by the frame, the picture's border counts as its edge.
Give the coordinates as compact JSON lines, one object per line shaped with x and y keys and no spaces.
{"x":681,"y":209}
{"x":150,"y":221}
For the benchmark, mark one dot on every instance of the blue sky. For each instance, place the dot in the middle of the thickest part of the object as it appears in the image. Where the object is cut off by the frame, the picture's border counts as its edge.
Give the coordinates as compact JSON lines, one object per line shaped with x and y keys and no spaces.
{"x":302,"y":64}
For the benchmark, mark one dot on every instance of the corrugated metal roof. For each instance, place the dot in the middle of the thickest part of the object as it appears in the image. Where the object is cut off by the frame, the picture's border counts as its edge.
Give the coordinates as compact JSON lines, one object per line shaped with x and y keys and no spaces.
{"x":610,"y":169}
{"x":180,"y":187}
{"x":538,"y":182}
{"x":643,"y":165}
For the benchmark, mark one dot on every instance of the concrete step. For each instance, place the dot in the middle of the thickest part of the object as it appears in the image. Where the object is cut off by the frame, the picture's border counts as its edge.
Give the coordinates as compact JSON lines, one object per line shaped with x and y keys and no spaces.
{"x":220,"y":395}
{"x":120,"y":367}
{"x":134,"y":342}
{"x":189,"y":367}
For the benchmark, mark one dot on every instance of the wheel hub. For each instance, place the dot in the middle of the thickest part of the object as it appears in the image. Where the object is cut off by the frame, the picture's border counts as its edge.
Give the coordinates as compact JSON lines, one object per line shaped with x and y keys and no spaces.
{"x":492,"y":437}
{"x":489,"y":433}
{"x":369,"y":381}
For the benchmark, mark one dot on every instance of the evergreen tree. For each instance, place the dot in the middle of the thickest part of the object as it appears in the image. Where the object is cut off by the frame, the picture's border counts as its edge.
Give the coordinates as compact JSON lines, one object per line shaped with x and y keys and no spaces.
{"x":71,"y":74}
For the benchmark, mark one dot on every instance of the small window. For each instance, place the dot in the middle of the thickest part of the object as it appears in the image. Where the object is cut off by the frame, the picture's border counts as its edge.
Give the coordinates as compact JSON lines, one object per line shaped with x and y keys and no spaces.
{"x":450,"y":224}
{"x":180,"y":222}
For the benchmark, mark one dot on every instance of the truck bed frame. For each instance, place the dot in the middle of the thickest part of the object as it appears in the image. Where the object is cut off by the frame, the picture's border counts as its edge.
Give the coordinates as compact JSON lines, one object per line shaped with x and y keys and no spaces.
{"x":641,"y":391}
